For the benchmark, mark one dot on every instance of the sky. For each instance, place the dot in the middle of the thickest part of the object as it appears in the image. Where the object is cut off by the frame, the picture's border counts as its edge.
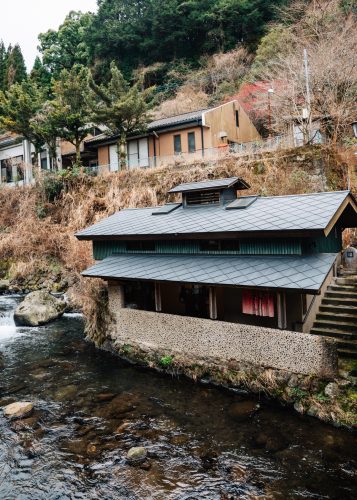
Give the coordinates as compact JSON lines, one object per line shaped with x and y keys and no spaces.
{"x":22,"y":20}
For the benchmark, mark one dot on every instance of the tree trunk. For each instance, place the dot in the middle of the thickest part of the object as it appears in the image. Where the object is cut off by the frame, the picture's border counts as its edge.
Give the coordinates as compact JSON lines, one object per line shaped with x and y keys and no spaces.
{"x":122,"y":152}
{"x":78,"y":152}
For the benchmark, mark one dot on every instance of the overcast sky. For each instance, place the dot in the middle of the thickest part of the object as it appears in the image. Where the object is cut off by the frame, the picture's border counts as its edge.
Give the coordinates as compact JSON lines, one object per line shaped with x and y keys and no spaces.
{"x":22,"y":20}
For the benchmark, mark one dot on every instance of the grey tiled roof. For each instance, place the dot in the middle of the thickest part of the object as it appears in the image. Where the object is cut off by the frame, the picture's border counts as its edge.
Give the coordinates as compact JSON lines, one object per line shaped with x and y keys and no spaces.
{"x":175,"y":120}
{"x":297,"y":273}
{"x":203,"y":185}
{"x":277,"y":213}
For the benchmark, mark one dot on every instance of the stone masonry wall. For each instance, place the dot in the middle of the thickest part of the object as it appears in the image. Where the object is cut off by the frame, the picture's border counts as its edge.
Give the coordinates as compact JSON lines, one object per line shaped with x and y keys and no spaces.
{"x":284,"y":350}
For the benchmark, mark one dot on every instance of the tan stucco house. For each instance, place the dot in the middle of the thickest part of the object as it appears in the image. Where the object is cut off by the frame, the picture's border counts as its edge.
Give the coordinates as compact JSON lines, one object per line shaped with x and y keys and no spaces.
{"x":203,"y":133}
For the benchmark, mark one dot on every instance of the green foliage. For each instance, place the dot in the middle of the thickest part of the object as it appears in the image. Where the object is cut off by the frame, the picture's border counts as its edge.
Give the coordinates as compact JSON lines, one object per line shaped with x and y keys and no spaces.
{"x":127,"y":349}
{"x":18,"y":106}
{"x":119,"y":106}
{"x":69,"y":110}
{"x":166,"y":361}
{"x":3,"y":59}
{"x":15,"y":69}
{"x":270,"y":46}
{"x":67,"y":46}
{"x":55,"y":183}
{"x":41,"y":76}
{"x":142,"y":32}
{"x":322,"y":397}
{"x":298,"y":393}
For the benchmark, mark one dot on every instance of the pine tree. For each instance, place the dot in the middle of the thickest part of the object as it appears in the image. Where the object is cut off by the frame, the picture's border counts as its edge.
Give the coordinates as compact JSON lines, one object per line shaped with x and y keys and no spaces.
{"x":3,"y":61}
{"x":40,"y":75}
{"x":18,"y":106}
{"x":15,"y":71}
{"x":121,"y":107}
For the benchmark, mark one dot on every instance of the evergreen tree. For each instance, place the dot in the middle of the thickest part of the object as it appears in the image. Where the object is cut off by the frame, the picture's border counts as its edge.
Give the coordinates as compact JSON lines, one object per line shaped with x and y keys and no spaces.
{"x":3,"y":60}
{"x":18,"y":106}
{"x":40,"y":75}
{"x":15,"y":70}
{"x":121,"y":107}
{"x":69,"y":109}
{"x":67,"y":46}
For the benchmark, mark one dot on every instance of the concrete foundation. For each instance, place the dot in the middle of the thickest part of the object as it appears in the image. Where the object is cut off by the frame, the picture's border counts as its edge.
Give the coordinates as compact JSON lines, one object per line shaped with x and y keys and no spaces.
{"x":266,"y":347}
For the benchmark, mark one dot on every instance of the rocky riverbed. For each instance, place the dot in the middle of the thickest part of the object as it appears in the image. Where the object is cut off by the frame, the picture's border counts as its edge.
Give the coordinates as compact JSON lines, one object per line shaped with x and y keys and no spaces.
{"x":190,"y":441}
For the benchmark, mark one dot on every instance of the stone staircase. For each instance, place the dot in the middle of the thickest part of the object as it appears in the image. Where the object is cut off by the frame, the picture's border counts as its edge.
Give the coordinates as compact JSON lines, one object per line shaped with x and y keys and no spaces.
{"x":337,"y":316}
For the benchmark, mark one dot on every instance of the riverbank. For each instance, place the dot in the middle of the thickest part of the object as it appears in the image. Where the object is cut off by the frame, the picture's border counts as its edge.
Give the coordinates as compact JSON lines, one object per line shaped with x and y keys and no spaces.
{"x":38,"y":249}
{"x":90,"y":408}
{"x":333,"y":401}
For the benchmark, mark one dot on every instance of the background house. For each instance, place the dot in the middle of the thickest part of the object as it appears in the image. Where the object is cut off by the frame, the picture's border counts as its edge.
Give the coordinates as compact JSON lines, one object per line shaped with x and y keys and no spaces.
{"x":202,"y":133}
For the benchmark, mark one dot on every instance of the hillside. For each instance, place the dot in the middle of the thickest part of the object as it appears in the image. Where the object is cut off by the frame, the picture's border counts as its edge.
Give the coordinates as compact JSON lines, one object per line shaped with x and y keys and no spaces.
{"x":37,"y":224}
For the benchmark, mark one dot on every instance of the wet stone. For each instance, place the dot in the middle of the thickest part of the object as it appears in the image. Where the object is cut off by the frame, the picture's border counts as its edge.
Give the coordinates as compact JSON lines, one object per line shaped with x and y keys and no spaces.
{"x":66,"y":392}
{"x":18,"y":409}
{"x":136,"y":455}
{"x":105,"y":396}
{"x":332,"y":390}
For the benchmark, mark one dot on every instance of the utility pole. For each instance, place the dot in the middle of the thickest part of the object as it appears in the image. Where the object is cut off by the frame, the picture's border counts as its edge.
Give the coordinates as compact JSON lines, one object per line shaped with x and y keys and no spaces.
{"x":308,"y":94}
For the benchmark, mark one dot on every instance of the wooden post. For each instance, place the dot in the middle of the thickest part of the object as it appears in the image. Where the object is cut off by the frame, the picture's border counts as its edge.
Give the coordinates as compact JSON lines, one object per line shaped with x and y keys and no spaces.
{"x":212,"y":303}
{"x":282,"y":324}
{"x":158,"y":306}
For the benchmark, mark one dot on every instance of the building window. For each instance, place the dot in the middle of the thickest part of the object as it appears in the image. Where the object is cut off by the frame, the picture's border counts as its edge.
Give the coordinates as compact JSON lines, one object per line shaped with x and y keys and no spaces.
{"x":209,"y":245}
{"x":177,"y":144}
{"x":237,"y":118}
{"x":140,"y":246}
{"x":230,"y":245}
{"x":191,"y":142}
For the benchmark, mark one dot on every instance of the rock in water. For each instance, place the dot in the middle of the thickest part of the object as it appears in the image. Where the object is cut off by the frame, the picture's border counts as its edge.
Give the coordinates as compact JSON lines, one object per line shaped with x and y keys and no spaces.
{"x":39,"y":308}
{"x":4,"y":285}
{"x":18,"y":410}
{"x":137,"y":455}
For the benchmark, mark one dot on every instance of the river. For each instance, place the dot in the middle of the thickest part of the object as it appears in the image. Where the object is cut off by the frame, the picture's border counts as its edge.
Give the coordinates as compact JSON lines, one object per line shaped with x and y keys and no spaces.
{"x":90,"y":408}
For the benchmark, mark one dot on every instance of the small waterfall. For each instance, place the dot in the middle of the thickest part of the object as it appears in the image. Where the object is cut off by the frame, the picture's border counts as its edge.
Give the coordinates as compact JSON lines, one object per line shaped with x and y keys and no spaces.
{"x":7,"y":323}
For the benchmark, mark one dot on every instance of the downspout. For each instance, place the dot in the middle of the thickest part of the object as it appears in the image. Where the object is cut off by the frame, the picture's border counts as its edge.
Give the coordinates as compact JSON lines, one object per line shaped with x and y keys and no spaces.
{"x":154,"y":138}
{"x":202,"y":141}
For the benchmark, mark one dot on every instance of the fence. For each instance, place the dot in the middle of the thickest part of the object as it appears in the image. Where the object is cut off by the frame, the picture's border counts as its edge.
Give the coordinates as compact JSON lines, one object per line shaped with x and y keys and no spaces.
{"x":209,"y":154}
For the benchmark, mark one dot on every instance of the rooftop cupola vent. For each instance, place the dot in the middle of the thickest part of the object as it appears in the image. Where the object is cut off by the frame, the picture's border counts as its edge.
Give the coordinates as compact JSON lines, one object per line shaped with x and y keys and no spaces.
{"x":212,"y":192}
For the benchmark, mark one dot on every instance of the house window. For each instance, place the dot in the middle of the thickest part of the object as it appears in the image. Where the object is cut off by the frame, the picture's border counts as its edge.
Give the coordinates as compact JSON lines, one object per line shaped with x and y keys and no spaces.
{"x":177,"y":144}
{"x":191,"y":142}
{"x":237,"y":118}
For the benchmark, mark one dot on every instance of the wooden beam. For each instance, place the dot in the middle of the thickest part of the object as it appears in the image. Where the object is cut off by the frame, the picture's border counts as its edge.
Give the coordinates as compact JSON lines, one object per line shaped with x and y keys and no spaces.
{"x":282,"y":323}
{"x":212,"y":303}
{"x":158,"y":305}
{"x":348,"y":201}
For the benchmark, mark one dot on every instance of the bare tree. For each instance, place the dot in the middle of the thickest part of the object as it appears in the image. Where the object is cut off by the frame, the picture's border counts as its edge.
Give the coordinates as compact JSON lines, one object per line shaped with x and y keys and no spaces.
{"x":327,"y":91}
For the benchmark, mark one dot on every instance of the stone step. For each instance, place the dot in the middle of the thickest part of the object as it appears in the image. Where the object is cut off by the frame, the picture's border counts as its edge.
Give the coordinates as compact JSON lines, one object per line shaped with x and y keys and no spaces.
{"x":347,"y":272}
{"x":347,"y":353}
{"x":342,"y":288}
{"x":333,"y":316}
{"x":340,"y":343}
{"x":339,"y":301}
{"x":346,"y":281}
{"x":338,"y":326}
{"x":338,"y":309}
{"x":321,"y":329}
{"x":347,"y":294}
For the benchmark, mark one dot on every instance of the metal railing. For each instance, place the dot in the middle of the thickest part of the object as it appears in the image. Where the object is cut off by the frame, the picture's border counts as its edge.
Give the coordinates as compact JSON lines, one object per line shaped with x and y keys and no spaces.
{"x":16,"y":175}
{"x":210,"y":154}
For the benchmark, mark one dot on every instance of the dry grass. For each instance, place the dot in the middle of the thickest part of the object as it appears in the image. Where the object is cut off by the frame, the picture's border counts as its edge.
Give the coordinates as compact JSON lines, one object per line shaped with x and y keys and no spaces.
{"x":35,"y":233}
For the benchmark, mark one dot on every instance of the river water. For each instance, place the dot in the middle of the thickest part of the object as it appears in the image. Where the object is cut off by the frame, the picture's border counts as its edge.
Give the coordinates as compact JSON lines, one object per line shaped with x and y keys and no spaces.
{"x":90,"y":408}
